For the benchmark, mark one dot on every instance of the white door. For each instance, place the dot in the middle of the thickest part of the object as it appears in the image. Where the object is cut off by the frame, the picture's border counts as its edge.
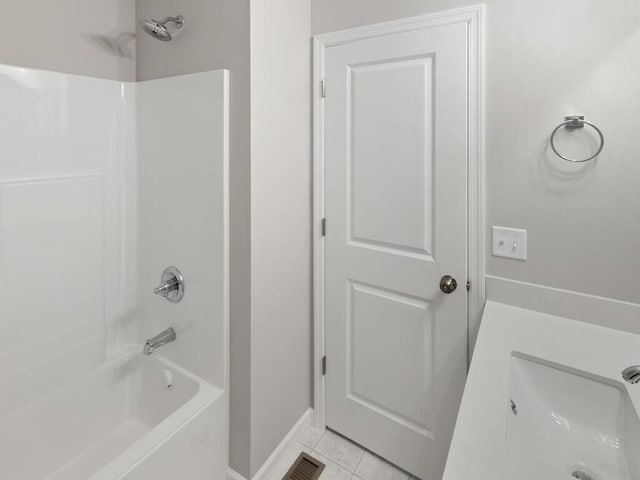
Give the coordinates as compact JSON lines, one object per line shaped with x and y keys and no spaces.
{"x":396,"y":211}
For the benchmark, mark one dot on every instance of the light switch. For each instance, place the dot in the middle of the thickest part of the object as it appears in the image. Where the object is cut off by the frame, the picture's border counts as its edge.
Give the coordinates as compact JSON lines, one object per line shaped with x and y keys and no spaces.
{"x":509,"y":243}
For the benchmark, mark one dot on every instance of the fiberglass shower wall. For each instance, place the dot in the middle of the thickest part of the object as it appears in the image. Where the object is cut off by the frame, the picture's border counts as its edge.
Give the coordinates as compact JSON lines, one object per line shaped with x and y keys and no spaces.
{"x":67,"y":229}
{"x":102,"y":185}
{"x":182,"y":150}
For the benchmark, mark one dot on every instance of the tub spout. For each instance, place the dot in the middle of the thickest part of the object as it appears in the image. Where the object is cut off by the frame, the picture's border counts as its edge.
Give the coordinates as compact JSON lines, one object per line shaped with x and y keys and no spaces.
{"x":168,"y":336}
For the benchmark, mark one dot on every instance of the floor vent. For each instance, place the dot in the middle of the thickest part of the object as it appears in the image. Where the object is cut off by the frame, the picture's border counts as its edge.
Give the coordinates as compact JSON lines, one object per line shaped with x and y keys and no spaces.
{"x":305,"y":468}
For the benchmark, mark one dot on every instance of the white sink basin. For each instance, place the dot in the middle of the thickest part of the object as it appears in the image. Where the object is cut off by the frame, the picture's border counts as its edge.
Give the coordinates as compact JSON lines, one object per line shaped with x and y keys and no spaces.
{"x":569,"y":424}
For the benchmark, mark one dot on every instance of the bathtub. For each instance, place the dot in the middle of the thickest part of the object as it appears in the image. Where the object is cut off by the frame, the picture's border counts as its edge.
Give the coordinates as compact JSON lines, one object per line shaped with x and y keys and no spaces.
{"x":120,"y":421}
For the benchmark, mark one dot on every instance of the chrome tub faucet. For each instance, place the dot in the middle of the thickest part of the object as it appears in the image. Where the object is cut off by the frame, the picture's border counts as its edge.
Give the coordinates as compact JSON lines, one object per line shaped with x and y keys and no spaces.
{"x":168,"y":336}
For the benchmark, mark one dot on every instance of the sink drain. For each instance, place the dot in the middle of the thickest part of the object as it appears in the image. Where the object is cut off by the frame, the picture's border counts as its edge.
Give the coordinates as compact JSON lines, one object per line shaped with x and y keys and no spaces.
{"x":580,"y":475}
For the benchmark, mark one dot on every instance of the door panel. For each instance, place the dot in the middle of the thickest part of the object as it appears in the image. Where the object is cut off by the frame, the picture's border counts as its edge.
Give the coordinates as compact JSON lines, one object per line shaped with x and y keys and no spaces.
{"x":395,"y":190}
{"x":381,"y":320}
{"x":381,"y":213}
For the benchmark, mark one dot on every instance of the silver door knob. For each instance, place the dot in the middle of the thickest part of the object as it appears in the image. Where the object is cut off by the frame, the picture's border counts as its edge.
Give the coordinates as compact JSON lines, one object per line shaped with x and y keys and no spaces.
{"x":448,"y":284}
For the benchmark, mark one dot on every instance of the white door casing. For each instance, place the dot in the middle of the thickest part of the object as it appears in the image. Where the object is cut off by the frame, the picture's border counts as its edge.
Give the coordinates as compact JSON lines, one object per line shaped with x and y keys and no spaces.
{"x":394,"y":141}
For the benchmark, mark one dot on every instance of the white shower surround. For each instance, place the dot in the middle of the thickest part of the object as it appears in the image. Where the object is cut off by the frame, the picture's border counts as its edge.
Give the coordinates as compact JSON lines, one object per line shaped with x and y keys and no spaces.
{"x":85,"y":164}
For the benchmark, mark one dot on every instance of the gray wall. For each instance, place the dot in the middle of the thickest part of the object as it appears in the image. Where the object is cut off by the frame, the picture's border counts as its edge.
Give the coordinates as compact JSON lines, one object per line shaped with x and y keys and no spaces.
{"x":216,"y":35}
{"x":546,"y":59}
{"x":94,"y":38}
{"x":280,"y":221}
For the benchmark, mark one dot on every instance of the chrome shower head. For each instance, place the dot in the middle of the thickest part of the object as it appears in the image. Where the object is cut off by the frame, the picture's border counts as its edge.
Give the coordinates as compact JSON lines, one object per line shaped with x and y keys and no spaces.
{"x":158,"y":28}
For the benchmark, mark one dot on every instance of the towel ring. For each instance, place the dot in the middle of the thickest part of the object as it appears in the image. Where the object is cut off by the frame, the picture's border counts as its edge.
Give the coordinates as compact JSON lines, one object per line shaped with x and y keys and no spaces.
{"x":572,"y":122}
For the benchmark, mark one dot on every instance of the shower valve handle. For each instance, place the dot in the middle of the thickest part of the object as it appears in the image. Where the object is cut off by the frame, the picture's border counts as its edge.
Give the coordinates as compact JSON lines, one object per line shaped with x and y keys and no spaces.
{"x":171,"y":285}
{"x":164,"y":289}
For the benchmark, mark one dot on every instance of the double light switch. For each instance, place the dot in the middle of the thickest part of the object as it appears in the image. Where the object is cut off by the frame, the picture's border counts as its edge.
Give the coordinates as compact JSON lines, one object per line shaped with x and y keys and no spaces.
{"x":509,"y":243}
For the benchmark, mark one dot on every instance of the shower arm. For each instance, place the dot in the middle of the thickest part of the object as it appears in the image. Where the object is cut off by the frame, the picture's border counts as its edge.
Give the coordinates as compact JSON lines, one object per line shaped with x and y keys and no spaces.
{"x":179,"y":21}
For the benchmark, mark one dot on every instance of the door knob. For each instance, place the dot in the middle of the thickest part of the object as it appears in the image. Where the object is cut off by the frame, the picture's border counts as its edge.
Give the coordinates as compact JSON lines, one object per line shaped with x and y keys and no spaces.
{"x":448,"y":284}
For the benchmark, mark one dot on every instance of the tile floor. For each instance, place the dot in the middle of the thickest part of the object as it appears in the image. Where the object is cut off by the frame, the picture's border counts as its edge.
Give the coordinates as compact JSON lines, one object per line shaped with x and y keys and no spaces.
{"x":344,"y":459}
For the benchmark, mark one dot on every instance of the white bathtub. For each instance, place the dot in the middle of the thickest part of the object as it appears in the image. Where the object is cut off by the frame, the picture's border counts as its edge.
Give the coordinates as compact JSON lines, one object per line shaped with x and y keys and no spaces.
{"x":119,"y":422}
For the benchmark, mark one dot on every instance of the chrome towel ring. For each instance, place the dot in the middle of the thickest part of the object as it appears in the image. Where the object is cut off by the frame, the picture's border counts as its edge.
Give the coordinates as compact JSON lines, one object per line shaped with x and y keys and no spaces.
{"x":572,"y":122}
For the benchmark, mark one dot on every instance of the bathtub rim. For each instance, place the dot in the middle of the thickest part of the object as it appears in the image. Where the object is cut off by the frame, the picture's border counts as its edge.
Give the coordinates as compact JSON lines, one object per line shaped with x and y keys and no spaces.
{"x":144,"y":447}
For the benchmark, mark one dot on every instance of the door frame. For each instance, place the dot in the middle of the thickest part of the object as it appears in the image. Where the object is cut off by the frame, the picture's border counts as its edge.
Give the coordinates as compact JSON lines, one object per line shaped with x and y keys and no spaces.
{"x":473,"y":16}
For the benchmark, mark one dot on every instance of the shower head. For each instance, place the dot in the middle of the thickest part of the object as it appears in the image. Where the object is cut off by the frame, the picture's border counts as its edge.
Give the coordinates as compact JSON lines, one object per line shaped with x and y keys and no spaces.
{"x":158,"y":29}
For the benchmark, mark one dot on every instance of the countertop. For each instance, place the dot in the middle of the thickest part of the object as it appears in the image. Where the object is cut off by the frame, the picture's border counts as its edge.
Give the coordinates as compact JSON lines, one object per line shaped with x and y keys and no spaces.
{"x":478,"y":449}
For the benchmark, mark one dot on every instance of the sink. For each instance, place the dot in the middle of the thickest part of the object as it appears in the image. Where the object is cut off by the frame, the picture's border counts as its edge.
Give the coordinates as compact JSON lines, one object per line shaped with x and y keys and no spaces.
{"x":575,"y":416}
{"x":568,"y":424}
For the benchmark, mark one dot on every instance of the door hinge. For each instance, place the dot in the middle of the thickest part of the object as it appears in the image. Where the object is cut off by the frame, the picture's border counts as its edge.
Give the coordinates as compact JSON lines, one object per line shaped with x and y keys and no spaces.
{"x":468,"y":285}
{"x":323,"y":227}
{"x":324,"y":365}
{"x":323,"y":88}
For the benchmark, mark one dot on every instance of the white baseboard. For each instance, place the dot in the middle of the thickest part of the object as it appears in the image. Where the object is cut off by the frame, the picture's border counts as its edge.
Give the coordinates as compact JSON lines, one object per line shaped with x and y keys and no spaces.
{"x":233,"y":475}
{"x":301,"y":425}
{"x":602,"y":311}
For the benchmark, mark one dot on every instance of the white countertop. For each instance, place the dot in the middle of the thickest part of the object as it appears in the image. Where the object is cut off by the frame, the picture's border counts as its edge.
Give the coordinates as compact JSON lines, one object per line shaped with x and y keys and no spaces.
{"x":478,"y":450}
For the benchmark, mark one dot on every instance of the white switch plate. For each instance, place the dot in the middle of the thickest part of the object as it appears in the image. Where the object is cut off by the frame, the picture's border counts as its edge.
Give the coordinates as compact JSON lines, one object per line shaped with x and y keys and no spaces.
{"x":509,"y":243}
